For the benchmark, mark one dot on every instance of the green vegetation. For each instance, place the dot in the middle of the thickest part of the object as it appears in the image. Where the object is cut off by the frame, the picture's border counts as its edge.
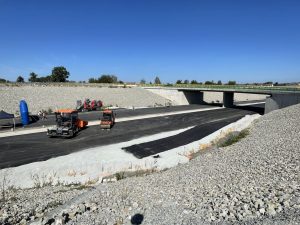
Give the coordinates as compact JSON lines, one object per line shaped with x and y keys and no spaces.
{"x":59,"y":74}
{"x":20,"y":79}
{"x":32,"y":77}
{"x":143,"y":81}
{"x":157,"y":80}
{"x":233,"y":138}
{"x":120,"y":175}
{"x":231,"y":82}
{"x":104,"y":79}
{"x":4,"y":81}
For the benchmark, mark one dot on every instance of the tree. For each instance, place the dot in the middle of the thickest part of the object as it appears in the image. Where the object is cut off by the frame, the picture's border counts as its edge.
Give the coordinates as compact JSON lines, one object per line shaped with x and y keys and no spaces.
{"x":104,"y":79}
{"x":20,"y":79}
{"x":179,"y":82}
{"x":219,"y":82}
{"x":157,"y":80}
{"x":114,"y":79}
{"x":44,"y":79}
{"x":59,"y":74}
{"x":143,"y":81}
{"x":33,"y":77}
{"x":194,"y":82}
{"x":231,"y":82}
{"x":186,"y":82}
{"x":107,"y":79}
{"x":92,"y":80}
{"x":268,"y":83}
{"x":209,"y":82}
{"x":2,"y":80}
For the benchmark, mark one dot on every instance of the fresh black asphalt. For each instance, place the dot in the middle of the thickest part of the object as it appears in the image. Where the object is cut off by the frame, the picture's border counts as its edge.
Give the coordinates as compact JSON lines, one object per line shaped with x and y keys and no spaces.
{"x":121,"y":112}
{"x":19,"y":150}
{"x":186,"y":137}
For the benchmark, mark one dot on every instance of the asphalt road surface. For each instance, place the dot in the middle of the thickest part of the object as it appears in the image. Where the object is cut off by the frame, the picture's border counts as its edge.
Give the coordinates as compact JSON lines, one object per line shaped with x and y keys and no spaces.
{"x":186,"y":137}
{"x":19,"y":150}
{"x":121,"y":112}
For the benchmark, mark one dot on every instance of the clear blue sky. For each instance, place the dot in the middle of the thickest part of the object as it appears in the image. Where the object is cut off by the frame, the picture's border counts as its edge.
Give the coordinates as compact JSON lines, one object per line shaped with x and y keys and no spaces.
{"x":243,"y":40}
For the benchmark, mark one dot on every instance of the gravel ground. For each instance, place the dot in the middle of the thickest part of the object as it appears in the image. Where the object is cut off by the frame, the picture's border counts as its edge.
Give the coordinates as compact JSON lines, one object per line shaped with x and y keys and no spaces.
{"x":21,"y":206}
{"x":39,"y":97}
{"x":255,"y":181}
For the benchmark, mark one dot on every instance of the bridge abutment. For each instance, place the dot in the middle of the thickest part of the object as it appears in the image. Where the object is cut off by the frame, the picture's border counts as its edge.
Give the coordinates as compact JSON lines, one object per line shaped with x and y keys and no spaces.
{"x":279,"y":101}
{"x":194,"y":97}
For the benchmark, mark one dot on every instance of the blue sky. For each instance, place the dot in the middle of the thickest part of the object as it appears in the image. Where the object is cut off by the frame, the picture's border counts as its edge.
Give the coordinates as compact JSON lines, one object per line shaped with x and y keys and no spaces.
{"x":243,"y":40}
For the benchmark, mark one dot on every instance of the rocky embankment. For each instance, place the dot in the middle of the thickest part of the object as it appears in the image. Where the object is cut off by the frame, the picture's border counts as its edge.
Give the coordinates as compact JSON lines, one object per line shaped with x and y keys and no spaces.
{"x":56,"y":97}
{"x":255,"y":181}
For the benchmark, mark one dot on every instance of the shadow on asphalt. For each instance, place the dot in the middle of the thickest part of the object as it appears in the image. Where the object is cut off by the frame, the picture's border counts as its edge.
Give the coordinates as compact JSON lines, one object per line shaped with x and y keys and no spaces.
{"x":257,"y":109}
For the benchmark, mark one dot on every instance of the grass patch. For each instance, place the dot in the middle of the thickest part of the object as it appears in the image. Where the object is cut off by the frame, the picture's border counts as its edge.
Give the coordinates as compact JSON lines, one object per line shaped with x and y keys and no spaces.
{"x":127,"y":174}
{"x":233,"y":138}
{"x":72,"y":188}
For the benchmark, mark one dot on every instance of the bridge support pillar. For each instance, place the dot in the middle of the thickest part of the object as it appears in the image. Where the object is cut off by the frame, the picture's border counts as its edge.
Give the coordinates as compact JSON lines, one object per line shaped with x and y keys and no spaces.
{"x":228,"y":99}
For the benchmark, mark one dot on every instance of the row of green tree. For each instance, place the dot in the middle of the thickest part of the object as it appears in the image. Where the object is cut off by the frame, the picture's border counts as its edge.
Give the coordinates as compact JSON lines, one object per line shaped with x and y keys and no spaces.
{"x":105,"y":79}
{"x":58,"y":74}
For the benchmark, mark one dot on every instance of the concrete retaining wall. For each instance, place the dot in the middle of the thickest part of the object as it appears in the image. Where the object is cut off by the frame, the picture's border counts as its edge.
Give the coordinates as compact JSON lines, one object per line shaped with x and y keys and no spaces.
{"x":278,"y":101}
{"x":174,"y":96}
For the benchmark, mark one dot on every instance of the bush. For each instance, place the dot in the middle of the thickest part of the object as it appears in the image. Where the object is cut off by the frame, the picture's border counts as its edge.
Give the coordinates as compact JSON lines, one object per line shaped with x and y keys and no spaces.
{"x":231,"y":82}
{"x":104,"y":79}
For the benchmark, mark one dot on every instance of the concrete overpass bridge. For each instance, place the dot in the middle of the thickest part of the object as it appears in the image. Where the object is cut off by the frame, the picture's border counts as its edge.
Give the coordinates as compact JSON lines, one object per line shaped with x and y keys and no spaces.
{"x":276,"y":97}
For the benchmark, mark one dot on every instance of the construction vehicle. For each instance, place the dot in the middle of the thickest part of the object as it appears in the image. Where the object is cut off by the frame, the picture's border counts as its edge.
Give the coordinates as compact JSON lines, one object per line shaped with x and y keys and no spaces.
{"x":67,"y":124}
{"x":108,"y":119}
{"x":89,"y":105}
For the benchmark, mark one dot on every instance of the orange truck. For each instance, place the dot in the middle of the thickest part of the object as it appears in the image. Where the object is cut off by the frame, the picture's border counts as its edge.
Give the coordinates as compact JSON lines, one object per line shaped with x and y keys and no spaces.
{"x":67,"y":124}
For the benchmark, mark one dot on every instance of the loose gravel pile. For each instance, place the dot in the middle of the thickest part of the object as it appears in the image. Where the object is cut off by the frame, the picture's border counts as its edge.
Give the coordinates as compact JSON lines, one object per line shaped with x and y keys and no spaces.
{"x":22,"y":206}
{"x":255,"y":181}
{"x":55,"y":97}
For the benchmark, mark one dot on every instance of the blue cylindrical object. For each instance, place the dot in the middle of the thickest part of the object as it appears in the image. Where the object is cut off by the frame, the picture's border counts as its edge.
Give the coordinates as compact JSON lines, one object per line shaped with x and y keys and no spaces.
{"x":24,"y":112}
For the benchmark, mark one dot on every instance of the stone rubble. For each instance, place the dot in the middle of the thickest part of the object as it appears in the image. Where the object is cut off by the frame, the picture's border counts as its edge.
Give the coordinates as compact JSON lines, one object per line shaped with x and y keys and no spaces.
{"x":56,"y":97}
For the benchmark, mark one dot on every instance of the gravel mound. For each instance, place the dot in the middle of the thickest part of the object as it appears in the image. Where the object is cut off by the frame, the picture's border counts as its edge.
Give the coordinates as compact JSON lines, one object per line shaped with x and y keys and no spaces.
{"x":22,"y":206}
{"x":55,"y":97}
{"x":255,"y":181}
